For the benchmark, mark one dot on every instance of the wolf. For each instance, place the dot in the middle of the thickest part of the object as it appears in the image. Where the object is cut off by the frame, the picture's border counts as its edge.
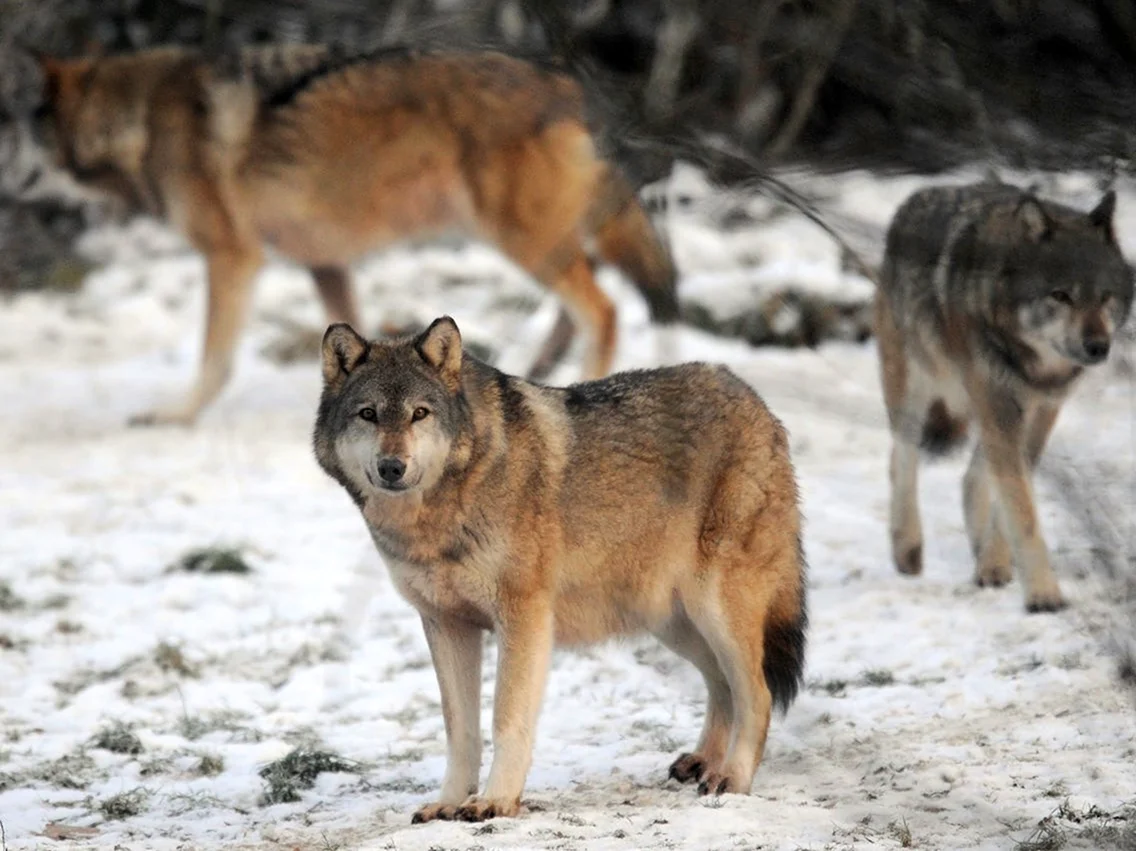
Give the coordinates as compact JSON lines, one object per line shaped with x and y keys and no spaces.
{"x":660,"y":501}
{"x":326,"y":158}
{"x":992,"y":304}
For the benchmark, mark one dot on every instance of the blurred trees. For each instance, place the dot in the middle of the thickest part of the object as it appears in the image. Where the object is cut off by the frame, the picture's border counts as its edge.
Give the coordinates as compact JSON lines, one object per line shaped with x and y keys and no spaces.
{"x":918,"y":85}
{"x":921,"y":84}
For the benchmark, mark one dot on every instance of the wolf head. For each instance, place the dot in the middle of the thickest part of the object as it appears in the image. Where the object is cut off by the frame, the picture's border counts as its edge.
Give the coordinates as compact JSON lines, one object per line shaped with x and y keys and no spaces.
{"x":393,"y":414}
{"x":84,"y":122}
{"x":1064,"y":280}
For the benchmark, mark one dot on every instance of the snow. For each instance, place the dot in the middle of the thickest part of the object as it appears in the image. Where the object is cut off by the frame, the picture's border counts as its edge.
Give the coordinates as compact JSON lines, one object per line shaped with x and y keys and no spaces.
{"x":932,"y":707}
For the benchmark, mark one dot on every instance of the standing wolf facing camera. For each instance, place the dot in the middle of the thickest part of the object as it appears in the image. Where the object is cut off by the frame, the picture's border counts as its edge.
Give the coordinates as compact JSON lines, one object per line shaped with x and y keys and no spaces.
{"x":992,"y":303}
{"x":328,"y":158}
{"x":658,"y":501}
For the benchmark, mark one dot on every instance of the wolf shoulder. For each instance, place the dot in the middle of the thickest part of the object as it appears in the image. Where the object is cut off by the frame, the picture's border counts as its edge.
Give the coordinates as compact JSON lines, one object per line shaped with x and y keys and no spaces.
{"x":927,"y":223}
{"x":698,"y":397}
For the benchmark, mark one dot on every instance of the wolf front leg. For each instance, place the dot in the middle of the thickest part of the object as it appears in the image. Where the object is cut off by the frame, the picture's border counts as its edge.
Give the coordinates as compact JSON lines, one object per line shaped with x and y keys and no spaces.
{"x":455,"y":648}
{"x":992,"y":557}
{"x":232,"y":272}
{"x":1007,"y":454}
{"x":984,"y":524}
{"x":525,"y":651}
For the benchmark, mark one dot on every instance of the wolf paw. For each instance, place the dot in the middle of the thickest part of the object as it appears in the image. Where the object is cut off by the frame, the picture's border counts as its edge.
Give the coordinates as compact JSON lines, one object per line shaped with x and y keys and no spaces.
{"x":714,"y":783}
{"x":148,"y":419}
{"x":993,"y":575}
{"x":1045,"y":601}
{"x":432,"y":812}
{"x":910,"y":561}
{"x":689,"y":766}
{"x":482,"y":809}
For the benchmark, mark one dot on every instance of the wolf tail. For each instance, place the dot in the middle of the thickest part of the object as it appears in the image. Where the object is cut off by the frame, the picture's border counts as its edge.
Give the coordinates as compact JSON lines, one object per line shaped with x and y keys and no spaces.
{"x":627,"y":239}
{"x":784,"y":661}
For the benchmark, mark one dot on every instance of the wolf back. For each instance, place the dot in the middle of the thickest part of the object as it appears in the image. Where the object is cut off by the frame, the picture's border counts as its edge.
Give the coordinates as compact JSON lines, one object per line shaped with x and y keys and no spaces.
{"x":329,"y":158}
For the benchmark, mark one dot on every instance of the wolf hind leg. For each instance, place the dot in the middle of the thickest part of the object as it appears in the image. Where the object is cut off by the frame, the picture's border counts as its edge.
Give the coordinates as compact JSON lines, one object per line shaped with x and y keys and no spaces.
{"x":541,"y":225}
{"x":555,"y":346}
{"x":924,"y":416}
{"x":906,"y":402}
{"x":333,"y":286}
{"x":569,"y":274}
{"x":709,"y":754}
{"x":733,"y":628}
{"x":748,"y":594}
{"x":905,"y":525}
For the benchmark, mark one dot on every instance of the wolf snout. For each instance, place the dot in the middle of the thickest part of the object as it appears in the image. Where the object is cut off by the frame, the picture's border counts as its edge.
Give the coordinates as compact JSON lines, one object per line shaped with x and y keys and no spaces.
{"x":1096,"y":348}
{"x":391,"y":470}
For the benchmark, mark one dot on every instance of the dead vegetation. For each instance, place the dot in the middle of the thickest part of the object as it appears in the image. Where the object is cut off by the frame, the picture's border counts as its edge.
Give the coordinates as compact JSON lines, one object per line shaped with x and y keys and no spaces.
{"x":170,"y":659}
{"x":1090,"y":828}
{"x":230,"y":721}
{"x":7,"y":642}
{"x":117,"y":737}
{"x":10,"y":601}
{"x":298,"y":771}
{"x":901,"y":832}
{"x":871,"y":678}
{"x":878,"y":677}
{"x":75,"y":770}
{"x":156,"y":765}
{"x":213,"y":560}
{"x":124,"y":805}
{"x":210,"y":765}
{"x":183,"y":803}
{"x":787,"y":318}
{"x":295,"y":343}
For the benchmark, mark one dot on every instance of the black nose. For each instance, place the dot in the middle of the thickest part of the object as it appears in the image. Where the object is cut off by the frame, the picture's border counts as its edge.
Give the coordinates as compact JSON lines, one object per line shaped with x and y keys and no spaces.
{"x":1096,"y":349}
{"x":391,"y":470}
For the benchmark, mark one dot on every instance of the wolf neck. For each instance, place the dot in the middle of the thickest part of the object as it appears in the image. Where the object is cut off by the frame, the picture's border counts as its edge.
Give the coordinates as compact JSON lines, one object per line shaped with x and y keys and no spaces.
{"x":1025,"y":364}
{"x":432,"y":526}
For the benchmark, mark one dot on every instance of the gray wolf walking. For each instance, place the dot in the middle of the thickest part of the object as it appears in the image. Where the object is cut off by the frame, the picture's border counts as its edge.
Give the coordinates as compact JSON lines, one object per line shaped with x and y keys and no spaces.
{"x":992,"y":303}
{"x":327,"y":158}
{"x":657,"y":501}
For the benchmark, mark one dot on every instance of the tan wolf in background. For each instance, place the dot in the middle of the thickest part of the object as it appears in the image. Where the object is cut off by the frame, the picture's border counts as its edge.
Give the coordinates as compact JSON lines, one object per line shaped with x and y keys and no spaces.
{"x":658,"y":501}
{"x":992,"y":303}
{"x":327,"y":159}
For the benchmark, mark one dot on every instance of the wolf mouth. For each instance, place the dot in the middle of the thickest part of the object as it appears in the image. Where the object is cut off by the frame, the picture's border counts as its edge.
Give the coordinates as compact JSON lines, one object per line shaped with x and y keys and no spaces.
{"x":389,"y":487}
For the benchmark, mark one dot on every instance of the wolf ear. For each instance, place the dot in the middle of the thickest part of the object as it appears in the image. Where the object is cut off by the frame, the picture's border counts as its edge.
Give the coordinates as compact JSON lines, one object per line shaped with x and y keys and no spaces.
{"x":1034,"y":219}
{"x":343,"y":350}
{"x":1102,"y":213}
{"x":65,"y":79}
{"x":440,"y":346}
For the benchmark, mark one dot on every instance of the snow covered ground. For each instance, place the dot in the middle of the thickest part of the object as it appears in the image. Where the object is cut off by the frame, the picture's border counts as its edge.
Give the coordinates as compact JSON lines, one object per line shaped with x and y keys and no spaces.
{"x":936,"y":716}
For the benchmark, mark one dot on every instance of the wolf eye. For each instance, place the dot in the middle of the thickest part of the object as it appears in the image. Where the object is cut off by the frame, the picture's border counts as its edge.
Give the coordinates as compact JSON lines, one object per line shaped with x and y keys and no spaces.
{"x":419,"y":414}
{"x":1061,"y":297}
{"x":368,"y":414}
